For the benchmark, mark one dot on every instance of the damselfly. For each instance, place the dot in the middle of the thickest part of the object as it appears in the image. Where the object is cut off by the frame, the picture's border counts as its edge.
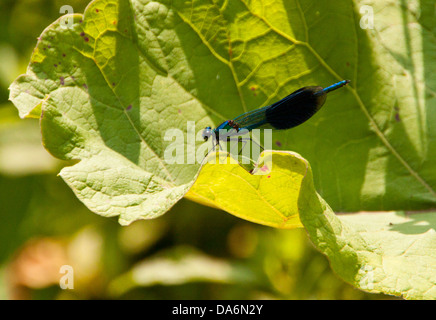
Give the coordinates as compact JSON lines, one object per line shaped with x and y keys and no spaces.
{"x":287,"y":113}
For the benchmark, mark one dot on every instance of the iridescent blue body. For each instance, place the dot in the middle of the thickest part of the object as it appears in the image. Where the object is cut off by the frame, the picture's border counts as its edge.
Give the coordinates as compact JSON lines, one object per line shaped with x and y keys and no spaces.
{"x":287,"y":113}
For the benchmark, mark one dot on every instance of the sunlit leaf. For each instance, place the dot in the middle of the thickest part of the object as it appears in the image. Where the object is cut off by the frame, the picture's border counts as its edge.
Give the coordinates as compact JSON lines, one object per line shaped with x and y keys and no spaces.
{"x":269,"y":198}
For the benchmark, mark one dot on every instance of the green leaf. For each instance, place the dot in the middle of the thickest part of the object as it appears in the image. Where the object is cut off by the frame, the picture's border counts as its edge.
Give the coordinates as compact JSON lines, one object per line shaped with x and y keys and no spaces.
{"x":109,"y":87}
{"x":384,"y":252}
{"x":401,"y":252}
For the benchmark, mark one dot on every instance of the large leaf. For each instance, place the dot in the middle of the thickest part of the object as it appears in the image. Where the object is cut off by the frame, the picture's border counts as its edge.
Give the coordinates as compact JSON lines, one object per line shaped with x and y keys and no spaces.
{"x":110,"y":87}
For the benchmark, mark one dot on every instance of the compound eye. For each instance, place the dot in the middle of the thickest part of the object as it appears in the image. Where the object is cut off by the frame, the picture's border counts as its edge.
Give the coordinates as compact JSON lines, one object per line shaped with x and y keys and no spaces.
{"x":207,"y":132}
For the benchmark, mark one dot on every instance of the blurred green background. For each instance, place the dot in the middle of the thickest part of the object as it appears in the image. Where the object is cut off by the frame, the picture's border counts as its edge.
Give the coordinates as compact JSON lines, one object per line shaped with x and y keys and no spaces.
{"x":192,"y":252}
